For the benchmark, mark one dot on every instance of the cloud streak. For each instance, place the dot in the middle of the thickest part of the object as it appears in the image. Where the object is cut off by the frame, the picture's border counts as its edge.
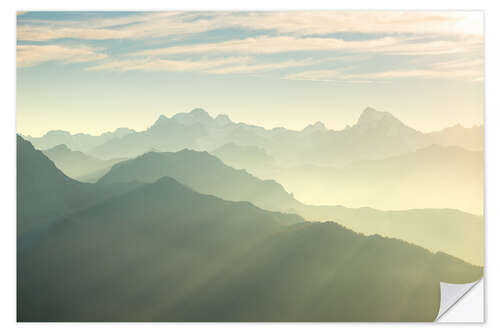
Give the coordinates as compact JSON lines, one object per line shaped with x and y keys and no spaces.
{"x":31,"y":55}
{"x":220,"y":65}
{"x":284,"y":44}
{"x":167,"y":65}
{"x":441,"y":44}
{"x":303,"y":23}
{"x":473,"y":75}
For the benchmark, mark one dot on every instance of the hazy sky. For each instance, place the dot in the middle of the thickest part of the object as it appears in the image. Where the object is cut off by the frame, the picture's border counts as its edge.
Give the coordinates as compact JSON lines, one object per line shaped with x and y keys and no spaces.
{"x":93,"y":72}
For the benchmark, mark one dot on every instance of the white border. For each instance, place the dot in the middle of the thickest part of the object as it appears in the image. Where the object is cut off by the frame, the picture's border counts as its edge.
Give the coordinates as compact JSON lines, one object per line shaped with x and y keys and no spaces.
{"x":469,"y":308}
{"x":7,"y":140}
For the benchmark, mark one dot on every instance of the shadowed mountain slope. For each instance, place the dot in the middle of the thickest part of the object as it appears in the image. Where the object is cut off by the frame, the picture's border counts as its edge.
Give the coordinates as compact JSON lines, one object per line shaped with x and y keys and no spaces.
{"x":204,"y":173}
{"x":45,"y":194}
{"x":78,"y":165}
{"x":447,"y":230}
{"x":163,"y":252}
{"x":324,"y":272}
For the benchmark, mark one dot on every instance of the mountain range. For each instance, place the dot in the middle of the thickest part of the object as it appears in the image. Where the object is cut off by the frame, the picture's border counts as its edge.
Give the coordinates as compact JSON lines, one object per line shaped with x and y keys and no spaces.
{"x":45,"y":194}
{"x":320,"y":166}
{"x":431,"y":177}
{"x":204,"y":173}
{"x":78,"y":165}
{"x":161,"y":251}
{"x":376,"y":135}
{"x":251,"y":158}
{"x":448,"y":230}
{"x":79,"y":142}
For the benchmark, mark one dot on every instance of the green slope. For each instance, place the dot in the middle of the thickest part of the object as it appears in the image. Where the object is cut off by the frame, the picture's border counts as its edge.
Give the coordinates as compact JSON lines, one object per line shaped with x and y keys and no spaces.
{"x":163,"y":252}
{"x":448,"y":230}
{"x":204,"y":173}
{"x":324,"y":272}
{"x":451,"y":231}
{"x":146,"y":248}
{"x":45,"y":194}
{"x":78,"y":165}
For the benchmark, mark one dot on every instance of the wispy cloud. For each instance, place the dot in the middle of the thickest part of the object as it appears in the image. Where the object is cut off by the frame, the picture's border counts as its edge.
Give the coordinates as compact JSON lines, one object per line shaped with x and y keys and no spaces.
{"x":161,"y":24}
{"x":220,"y":65}
{"x":326,"y":22}
{"x":142,"y":25}
{"x":263,"y":67}
{"x":168,"y":65}
{"x":31,"y":55}
{"x":421,"y":73}
{"x":339,"y":76}
{"x":271,"y":45}
{"x":282,"y":40}
{"x":461,"y":63}
{"x":283,"y":44}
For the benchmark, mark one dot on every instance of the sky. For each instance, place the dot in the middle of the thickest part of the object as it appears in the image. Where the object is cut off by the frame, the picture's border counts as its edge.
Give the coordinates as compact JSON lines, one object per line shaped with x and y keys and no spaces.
{"x":93,"y":72}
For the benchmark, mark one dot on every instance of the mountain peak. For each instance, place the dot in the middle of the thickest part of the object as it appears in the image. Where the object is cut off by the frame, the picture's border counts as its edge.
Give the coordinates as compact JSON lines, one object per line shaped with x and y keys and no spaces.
{"x":371,"y":115}
{"x":195,"y":116}
{"x":199,"y":112}
{"x":161,"y":119}
{"x":317,"y":126}
{"x":222,"y":119}
{"x":59,"y":148}
{"x":57,"y":133}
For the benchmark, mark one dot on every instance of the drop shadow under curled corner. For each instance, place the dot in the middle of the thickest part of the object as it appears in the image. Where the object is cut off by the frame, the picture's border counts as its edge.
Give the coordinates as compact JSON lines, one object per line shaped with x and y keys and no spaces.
{"x":451,"y":293}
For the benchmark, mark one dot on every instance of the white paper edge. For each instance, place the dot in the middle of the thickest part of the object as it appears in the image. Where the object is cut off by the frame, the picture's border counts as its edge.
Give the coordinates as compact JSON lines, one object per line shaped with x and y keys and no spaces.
{"x":464,"y":304}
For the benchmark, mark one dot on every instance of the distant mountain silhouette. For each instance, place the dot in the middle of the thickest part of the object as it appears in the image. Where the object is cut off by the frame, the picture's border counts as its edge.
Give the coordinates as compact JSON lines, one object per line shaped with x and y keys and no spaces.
{"x":244,"y":157}
{"x":431,"y":177}
{"x":181,"y":236}
{"x":164,"y":135}
{"x":78,"y":165}
{"x":376,"y":135}
{"x":80,"y":142}
{"x":445,"y":230}
{"x":204,"y":173}
{"x":468,"y":138}
{"x":163,"y":252}
{"x":316,"y":127}
{"x":45,"y":194}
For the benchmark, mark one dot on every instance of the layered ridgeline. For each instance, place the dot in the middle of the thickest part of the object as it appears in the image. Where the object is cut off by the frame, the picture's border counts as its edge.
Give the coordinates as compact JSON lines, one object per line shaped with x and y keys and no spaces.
{"x":375,"y":135}
{"x":45,"y":194}
{"x":431,"y":177}
{"x":468,"y":138}
{"x":78,"y":165}
{"x":351,"y":167}
{"x":79,"y":142}
{"x":204,"y":173}
{"x":447,"y":230}
{"x":163,"y":252}
{"x":251,"y":158}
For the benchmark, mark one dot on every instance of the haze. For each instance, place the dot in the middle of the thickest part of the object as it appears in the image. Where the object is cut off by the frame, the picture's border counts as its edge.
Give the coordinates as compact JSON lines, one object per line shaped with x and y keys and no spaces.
{"x":181,"y":166}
